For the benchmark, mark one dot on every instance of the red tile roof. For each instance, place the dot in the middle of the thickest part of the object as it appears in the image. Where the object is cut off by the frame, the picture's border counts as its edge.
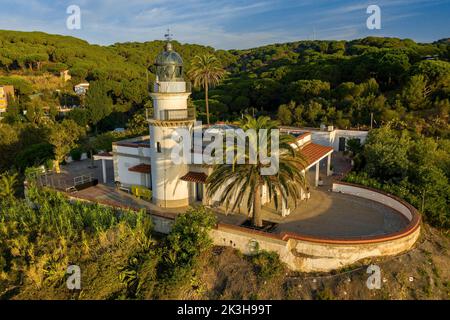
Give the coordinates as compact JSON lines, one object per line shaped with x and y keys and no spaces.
{"x":141,"y":168}
{"x":314,"y":152}
{"x":198,"y":177}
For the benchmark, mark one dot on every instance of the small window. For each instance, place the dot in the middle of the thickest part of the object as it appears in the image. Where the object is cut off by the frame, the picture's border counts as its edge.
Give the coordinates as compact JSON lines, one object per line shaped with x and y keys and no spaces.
{"x":158,"y":147}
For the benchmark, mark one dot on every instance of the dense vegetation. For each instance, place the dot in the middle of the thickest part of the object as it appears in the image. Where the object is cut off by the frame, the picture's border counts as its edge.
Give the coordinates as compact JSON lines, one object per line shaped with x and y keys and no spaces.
{"x":121,"y":258}
{"x":408,"y":165}
{"x":116,"y":250}
{"x":304,"y":83}
{"x":402,"y":85}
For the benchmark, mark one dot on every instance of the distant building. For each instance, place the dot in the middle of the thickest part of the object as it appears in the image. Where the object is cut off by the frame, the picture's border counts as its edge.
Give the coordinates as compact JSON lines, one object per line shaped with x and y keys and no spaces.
{"x":431,"y":57}
{"x":6,"y":94}
{"x":65,"y":75}
{"x":81,"y":88}
{"x":330,"y":136}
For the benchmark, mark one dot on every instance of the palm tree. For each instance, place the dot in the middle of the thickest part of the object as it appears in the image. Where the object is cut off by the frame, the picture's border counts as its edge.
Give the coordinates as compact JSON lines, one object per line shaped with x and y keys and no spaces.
{"x":245,"y":181}
{"x":206,"y":71}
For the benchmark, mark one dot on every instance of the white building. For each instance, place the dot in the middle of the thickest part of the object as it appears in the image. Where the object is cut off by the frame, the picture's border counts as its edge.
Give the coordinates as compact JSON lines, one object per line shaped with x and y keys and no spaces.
{"x":81,"y":88}
{"x":330,"y":136}
{"x":146,"y":161}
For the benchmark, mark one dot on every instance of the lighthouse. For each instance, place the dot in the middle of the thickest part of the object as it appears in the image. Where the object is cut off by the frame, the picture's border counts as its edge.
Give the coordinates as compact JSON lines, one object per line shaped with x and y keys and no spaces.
{"x":170,"y":94}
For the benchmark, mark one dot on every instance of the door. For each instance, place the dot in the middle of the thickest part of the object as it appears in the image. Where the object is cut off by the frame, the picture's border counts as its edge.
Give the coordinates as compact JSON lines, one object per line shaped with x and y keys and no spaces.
{"x":199,"y":191}
{"x":342,"y":143}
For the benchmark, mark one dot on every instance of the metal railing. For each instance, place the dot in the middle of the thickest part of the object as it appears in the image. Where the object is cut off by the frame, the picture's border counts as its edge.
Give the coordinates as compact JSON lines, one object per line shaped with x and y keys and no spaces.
{"x":177,"y":114}
{"x":171,"y":87}
{"x":82,"y":179}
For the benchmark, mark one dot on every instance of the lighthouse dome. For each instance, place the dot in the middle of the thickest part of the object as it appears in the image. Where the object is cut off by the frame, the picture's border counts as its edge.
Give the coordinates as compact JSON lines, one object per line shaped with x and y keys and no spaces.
{"x":169,"y":57}
{"x":169,"y":65}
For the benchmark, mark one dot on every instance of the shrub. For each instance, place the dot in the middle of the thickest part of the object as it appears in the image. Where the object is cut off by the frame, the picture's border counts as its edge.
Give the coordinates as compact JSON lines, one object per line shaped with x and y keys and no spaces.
{"x":38,"y":244}
{"x":76,"y":154}
{"x":34,"y":155}
{"x":189,"y":236}
{"x":188,"y":239}
{"x":267,"y":264}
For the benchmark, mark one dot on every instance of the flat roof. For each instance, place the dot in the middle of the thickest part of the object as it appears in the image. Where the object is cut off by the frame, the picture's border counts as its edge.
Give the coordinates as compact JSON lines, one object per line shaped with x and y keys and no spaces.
{"x":312,"y":129}
{"x":136,"y":142}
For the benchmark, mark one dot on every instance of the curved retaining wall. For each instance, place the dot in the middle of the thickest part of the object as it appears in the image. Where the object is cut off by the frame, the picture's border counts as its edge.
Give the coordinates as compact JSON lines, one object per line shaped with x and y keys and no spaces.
{"x":312,"y":254}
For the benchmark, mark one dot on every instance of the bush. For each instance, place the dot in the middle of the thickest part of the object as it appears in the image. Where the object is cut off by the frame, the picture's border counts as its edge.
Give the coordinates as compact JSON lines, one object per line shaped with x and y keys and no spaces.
{"x":188,"y":239}
{"x":267,"y":264}
{"x":34,"y":155}
{"x":189,"y":236}
{"x":76,"y":154}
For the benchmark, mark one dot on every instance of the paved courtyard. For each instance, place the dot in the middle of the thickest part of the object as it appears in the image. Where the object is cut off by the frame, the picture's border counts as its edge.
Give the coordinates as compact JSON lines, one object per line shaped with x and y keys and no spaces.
{"x":335,"y":215}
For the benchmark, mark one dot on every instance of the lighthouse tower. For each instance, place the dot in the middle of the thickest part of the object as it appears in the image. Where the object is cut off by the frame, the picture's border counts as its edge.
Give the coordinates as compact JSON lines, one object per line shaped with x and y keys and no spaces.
{"x":170,"y":95}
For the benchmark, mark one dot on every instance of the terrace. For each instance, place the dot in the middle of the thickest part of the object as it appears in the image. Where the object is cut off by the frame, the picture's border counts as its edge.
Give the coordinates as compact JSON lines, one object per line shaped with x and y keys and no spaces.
{"x":324,"y":214}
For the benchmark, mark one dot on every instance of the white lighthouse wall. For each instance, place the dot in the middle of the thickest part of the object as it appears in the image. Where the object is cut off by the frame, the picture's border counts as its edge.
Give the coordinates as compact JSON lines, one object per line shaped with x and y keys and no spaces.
{"x":168,"y":101}
{"x":170,"y":87}
{"x":168,"y":188}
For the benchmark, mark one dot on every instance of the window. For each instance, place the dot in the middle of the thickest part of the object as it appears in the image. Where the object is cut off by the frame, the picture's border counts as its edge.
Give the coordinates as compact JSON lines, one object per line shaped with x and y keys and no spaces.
{"x":342,"y":144}
{"x":158,"y":147}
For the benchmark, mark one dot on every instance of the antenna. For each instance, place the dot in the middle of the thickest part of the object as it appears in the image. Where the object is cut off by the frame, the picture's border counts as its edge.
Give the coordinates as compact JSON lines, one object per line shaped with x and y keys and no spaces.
{"x":168,"y":35}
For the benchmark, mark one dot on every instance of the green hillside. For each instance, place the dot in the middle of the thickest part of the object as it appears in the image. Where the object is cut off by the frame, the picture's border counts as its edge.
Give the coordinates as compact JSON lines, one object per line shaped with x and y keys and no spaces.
{"x":403,"y":86}
{"x":332,"y":82}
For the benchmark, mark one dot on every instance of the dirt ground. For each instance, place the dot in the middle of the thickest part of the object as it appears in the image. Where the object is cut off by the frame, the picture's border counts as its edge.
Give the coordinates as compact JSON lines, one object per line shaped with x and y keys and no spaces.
{"x":422,"y":273}
{"x":224,"y":273}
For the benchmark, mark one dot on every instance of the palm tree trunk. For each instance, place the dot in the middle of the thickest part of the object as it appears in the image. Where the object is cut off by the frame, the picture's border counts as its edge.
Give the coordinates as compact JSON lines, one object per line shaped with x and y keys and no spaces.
{"x":207,"y":102}
{"x":56,"y":166}
{"x":257,"y":214}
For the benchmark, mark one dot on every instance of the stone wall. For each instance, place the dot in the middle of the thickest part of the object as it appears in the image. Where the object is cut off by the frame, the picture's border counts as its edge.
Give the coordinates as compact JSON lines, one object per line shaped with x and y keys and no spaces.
{"x":313,"y":254}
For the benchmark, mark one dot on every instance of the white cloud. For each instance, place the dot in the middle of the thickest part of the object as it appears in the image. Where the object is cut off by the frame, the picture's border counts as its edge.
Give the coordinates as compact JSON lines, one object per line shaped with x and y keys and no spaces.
{"x":219,"y":23}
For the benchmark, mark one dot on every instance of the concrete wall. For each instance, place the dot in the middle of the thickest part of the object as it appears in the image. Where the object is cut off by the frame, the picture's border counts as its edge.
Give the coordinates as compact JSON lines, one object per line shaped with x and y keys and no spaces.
{"x":312,"y":257}
{"x":311,"y":254}
{"x":331,"y":138}
{"x":374,"y":196}
{"x":347,"y":134}
{"x":324,"y":138}
{"x":162,"y":224}
{"x":243,"y":239}
{"x":307,"y":255}
{"x":127,"y":157}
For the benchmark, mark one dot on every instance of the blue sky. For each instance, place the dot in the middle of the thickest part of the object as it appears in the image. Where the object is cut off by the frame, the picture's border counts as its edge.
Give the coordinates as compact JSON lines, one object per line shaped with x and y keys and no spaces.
{"x":228,"y":24}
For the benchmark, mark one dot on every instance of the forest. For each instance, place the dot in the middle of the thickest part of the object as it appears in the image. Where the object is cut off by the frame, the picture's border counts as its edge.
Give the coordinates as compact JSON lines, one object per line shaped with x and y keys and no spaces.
{"x":365,"y":83}
{"x":345,"y":83}
{"x":397,"y":87}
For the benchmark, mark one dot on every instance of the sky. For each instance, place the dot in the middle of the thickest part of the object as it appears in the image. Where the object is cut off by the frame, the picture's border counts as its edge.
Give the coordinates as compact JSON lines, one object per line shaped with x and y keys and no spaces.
{"x":229,"y":24}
